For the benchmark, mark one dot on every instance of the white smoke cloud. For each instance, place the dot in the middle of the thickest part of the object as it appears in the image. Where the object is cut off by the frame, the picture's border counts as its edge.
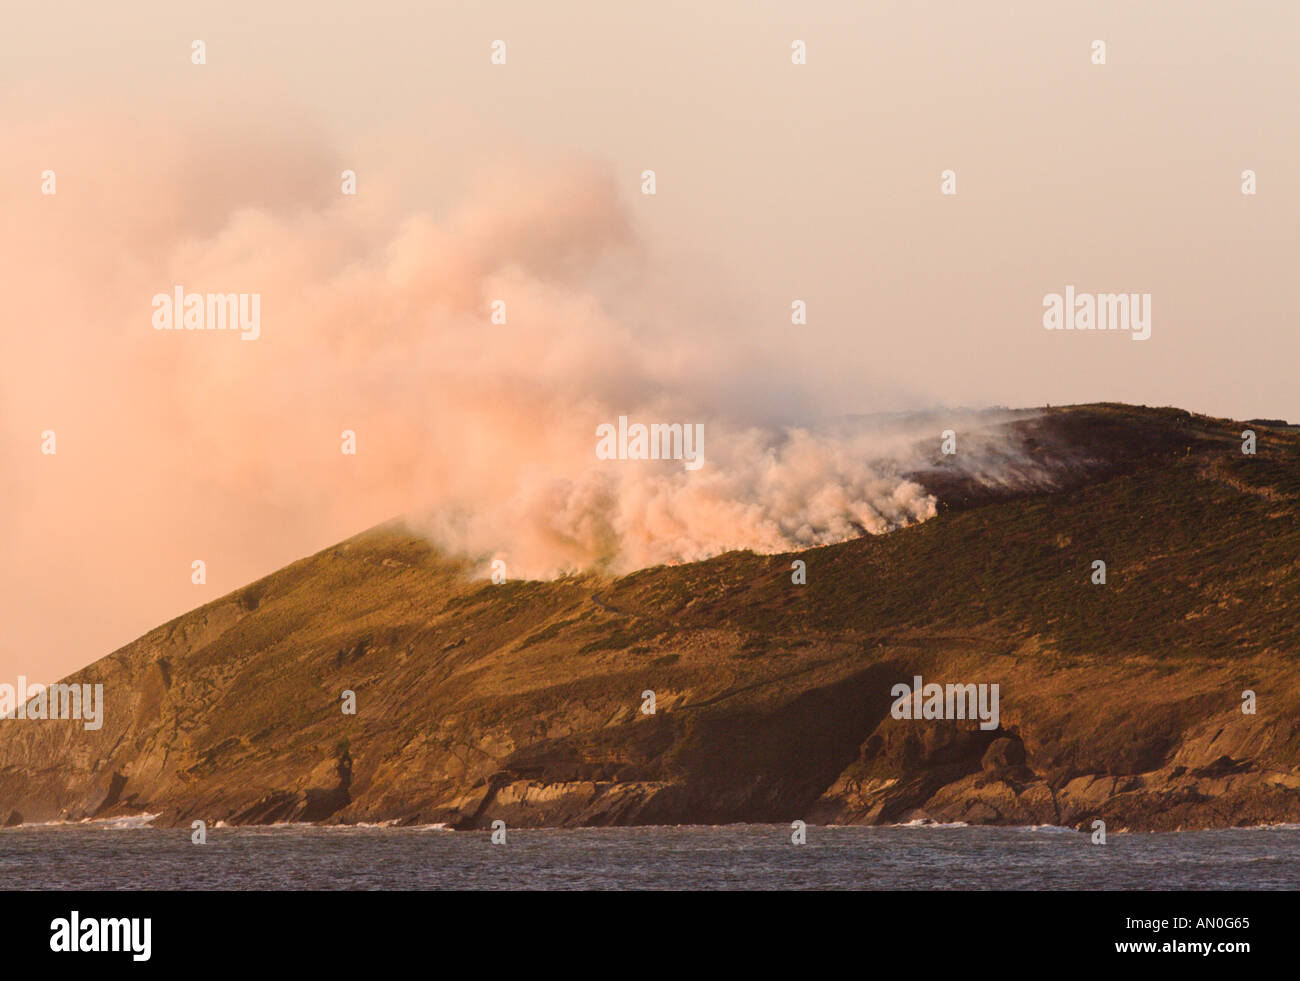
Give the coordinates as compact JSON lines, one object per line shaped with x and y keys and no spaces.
{"x":766,"y":490}
{"x":375,"y":317}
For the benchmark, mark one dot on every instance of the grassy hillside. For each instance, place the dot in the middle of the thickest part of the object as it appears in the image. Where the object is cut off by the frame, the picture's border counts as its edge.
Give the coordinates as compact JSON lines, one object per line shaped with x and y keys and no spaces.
{"x":522,"y":700}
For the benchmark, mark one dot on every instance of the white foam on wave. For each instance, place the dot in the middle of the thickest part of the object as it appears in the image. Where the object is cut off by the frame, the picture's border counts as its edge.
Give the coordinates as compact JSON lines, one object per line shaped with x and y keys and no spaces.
{"x":393,"y":824}
{"x":127,"y":822}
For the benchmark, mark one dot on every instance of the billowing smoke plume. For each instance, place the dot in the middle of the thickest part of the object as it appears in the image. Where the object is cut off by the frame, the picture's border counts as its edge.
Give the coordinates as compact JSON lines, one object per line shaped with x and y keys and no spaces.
{"x":759,"y":489}
{"x":376,"y":317}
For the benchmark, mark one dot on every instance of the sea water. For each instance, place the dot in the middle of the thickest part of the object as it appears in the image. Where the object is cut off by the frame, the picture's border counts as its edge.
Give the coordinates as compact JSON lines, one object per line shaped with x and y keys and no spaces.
{"x":130,"y":854}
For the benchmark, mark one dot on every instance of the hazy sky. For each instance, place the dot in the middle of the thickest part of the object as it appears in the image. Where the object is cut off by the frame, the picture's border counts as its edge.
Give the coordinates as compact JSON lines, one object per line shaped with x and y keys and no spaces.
{"x":775,"y":182}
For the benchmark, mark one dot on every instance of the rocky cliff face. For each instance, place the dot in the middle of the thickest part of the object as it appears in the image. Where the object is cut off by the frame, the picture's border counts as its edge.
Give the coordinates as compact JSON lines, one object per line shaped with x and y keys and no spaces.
{"x":524,"y":701}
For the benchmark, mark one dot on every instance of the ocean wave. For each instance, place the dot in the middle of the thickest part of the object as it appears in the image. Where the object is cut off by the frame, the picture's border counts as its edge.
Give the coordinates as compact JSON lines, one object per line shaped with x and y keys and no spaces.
{"x":127,"y":822}
{"x":393,"y":824}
